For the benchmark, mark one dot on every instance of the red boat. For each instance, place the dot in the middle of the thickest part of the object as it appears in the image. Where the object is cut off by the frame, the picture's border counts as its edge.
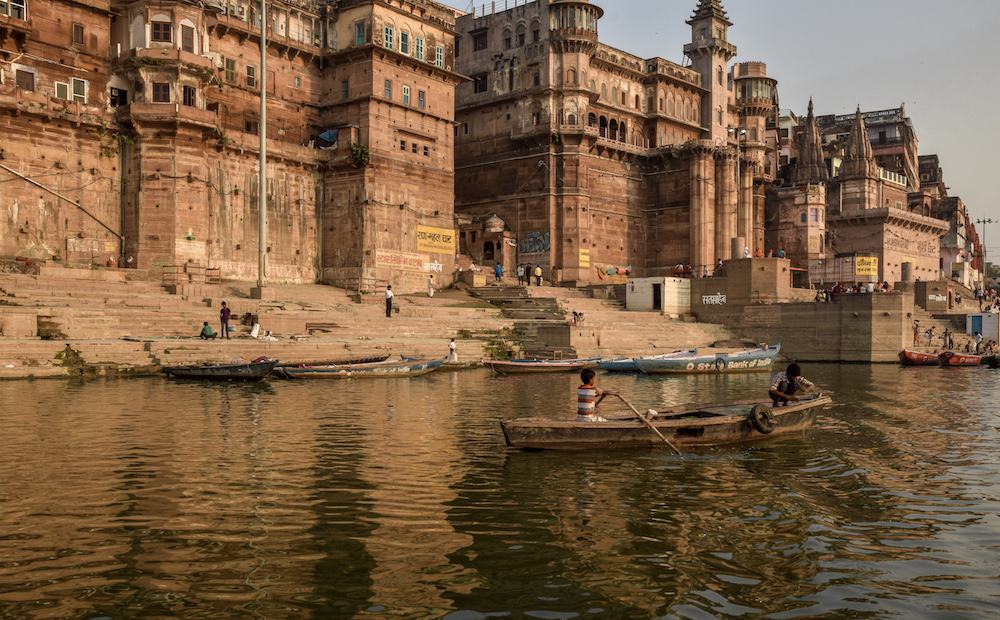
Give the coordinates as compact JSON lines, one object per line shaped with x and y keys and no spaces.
{"x":950,"y":358}
{"x":916,"y":358}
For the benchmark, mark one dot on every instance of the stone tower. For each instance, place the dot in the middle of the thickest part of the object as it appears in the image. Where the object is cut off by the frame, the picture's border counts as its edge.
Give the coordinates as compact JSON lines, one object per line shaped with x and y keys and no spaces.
{"x":859,"y":171}
{"x":710,"y":52}
{"x":810,"y":167}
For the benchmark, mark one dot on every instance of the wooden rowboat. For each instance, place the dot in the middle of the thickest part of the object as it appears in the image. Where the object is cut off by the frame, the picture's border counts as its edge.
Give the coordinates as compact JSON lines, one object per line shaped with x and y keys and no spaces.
{"x":694,"y":426}
{"x":916,"y":358}
{"x":257,"y":370}
{"x":751,"y":360}
{"x":539,"y":366}
{"x":952,"y":359}
{"x":379,"y":370}
{"x":629,"y":364}
{"x":349,"y":361}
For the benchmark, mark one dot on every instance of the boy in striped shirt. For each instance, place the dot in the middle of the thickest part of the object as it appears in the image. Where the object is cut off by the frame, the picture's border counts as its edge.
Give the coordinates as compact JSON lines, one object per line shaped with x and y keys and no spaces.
{"x":588,"y":396}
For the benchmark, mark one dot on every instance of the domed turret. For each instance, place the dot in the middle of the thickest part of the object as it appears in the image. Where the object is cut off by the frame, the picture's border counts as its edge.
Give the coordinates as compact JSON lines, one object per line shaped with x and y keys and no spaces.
{"x":573,"y":24}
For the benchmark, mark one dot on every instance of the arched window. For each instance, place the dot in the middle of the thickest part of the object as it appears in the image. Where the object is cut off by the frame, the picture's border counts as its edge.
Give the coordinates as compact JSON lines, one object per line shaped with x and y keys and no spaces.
{"x":721,"y":121}
{"x":720,"y":76}
{"x":520,"y":35}
{"x":571,"y":77}
{"x":506,"y":39}
{"x":637,"y":103}
{"x":592,"y":119}
{"x":604,"y":92}
{"x":622,"y":132}
{"x":593,"y":86}
{"x":670,"y":106}
{"x":622,"y":100}
{"x":614,"y":94}
{"x":571,"y":120}
{"x":613,"y":129}
{"x":660,"y":108}
{"x":536,"y":33}
{"x":604,"y":127}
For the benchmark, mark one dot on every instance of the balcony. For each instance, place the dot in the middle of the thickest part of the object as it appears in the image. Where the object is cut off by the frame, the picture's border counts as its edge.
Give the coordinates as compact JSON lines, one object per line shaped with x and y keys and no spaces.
{"x":710,"y":43}
{"x":15,"y":28}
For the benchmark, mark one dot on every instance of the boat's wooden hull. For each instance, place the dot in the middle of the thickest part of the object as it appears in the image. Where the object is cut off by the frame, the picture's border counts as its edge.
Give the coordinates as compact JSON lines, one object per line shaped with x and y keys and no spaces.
{"x":538,"y":367}
{"x":365,"y":371}
{"x":722,"y":363}
{"x":631,"y":364}
{"x":915,"y":358}
{"x":247,"y":373}
{"x":350,"y":361}
{"x":950,"y":359}
{"x":684,"y":432}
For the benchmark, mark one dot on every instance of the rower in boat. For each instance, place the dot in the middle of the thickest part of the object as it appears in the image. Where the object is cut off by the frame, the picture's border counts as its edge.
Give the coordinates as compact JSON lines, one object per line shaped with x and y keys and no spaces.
{"x":785,"y":386}
{"x":588,"y":396}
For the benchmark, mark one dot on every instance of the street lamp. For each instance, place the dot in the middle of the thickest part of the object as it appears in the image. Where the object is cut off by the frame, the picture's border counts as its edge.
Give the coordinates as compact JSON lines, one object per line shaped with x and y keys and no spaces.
{"x":985,"y":222}
{"x":739,"y":134}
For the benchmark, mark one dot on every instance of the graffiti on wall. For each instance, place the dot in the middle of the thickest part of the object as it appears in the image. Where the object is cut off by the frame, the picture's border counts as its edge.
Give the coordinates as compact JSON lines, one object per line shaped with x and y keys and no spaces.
{"x":535,"y":242}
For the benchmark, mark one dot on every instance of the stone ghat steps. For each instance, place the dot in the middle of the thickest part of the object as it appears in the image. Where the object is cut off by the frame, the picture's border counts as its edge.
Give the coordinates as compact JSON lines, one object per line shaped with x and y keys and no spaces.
{"x":632,"y":340}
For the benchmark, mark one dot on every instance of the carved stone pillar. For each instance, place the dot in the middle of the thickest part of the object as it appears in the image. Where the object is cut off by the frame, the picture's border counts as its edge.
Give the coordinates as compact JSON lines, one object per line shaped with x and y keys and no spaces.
{"x":702,"y":209}
{"x":725,"y":203}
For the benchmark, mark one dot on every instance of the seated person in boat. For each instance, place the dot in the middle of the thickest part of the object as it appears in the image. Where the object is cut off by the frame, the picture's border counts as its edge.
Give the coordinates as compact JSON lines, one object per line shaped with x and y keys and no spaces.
{"x":786,"y":385}
{"x":588,"y":396}
{"x":206,"y":332}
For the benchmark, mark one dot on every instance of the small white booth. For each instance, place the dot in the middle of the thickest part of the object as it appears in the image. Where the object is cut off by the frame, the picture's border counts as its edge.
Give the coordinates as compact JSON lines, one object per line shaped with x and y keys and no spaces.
{"x":671,"y":296}
{"x":984,"y":323}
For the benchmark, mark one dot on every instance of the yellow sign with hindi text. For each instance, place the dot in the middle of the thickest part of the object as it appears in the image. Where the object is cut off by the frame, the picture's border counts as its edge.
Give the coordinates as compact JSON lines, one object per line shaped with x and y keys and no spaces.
{"x":866,"y":266}
{"x":435,"y":240}
{"x":584,"y":257}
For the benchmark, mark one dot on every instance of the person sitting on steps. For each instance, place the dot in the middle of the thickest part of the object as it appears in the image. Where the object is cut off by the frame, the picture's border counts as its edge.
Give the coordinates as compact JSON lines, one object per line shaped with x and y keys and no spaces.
{"x":206,"y":332}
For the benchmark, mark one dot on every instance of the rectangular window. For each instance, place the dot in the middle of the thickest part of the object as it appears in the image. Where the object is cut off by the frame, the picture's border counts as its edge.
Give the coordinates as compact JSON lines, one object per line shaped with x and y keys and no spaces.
{"x":404,"y":42}
{"x":402,"y":145}
{"x":520,"y":39}
{"x":419,"y":51}
{"x":160,"y":32}
{"x":815,"y":215}
{"x":230,"y":70}
{"x":479,"y":41}
{"x":161,"y":92}
{"x":427,"y":151}
{"x":298,"y":81}
{"x":187,"y":39}
{"x":388,"y":35}
{"x":118,"y":97}
{"x":345,"y":89}
{"x":80,"y":90}
{"x":189,"y":96}
{"x":406,"y":95}
{"x":458,"y":47}
{"x":537,"y":78}
{"x":439,"y":56}
{"x":62,"y":90}
{"x":480,"y":83}
{"x":18,"y":8}
{"x":251,"y":126}
{"x":421,"y":99}
{"x":77,"y":34}
{"x":414,"y":148}
{"x":802,"y":218}
{"x":251,"y":76}
{"x":387,"y":90}
{"x":536,"y":36}
{"x":25,"y":80}
{"x":359,"y":33}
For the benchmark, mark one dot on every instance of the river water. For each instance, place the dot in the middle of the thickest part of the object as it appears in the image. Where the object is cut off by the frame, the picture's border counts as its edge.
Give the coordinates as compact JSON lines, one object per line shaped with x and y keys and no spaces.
{"x":397,"y":499}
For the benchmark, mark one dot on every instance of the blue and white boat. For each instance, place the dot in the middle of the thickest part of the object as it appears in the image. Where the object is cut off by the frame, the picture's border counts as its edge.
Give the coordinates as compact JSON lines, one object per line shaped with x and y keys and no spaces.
{"x":750,"y":360}
{"x":628,"y":364}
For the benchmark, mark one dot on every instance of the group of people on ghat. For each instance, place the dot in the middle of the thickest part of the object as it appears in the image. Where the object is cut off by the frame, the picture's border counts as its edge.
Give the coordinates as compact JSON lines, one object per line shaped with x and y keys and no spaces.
{"x":525,"y":273}
{"x":977,"y":345}
{"x":827,"y":295}
{"x":786,"y":388}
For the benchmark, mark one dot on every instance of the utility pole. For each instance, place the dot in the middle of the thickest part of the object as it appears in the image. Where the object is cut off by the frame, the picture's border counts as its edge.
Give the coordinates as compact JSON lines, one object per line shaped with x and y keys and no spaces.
{"x":986,"y":269}
{"x":258,"y":292}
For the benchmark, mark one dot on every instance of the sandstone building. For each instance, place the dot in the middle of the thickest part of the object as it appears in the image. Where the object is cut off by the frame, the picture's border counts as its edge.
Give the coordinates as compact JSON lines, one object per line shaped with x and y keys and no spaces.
{"x":582,"y":157}
{"x":146,"y":114}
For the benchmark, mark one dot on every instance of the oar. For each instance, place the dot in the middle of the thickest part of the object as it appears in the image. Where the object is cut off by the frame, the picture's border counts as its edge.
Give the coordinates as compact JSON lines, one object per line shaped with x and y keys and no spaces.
{"x":648,"y":424}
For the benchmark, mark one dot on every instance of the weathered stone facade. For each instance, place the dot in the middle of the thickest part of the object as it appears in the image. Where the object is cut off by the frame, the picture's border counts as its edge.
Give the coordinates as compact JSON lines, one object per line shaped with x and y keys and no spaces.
{"x":157,"y":136}
{"x":596,"y":159}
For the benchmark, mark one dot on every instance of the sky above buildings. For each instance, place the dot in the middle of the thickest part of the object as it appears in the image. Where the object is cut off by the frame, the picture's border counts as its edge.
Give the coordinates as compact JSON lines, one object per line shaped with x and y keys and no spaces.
{"x":939,"y":58}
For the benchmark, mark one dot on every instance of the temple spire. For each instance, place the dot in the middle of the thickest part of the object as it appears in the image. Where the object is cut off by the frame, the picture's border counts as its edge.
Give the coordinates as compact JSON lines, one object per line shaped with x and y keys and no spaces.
{"x":708,"y":9}
{"x":811,"y":165}
{"x":859,"y":158}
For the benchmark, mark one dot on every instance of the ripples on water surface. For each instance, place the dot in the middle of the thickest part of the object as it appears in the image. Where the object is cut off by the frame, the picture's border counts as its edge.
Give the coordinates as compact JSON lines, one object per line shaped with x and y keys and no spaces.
{"x":396,"y":498}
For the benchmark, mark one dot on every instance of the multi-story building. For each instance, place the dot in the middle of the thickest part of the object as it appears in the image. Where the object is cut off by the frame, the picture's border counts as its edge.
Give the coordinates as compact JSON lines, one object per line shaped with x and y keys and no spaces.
{"x":146,"y":113}
{"x":583,"y":158}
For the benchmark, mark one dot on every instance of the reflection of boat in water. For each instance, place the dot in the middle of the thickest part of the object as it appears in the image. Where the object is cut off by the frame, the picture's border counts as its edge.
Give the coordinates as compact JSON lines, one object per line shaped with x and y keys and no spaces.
{"x":916,"y":358}
{"x":750,"y":360}
{"x":709,"y":425}
{"x":539,"y":366}
{"x":379,"y":370}
{"x":952,"y":359}
{"x":628,"y":364}
{"x":256,"y":370}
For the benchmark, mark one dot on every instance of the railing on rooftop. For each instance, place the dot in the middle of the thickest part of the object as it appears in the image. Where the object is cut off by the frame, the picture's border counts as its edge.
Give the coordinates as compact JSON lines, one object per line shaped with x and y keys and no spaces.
{"x":497,"y":6}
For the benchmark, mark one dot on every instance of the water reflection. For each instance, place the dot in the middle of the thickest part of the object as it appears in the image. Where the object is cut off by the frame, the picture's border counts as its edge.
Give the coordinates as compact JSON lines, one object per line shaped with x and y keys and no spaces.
{"x":397,"y":499}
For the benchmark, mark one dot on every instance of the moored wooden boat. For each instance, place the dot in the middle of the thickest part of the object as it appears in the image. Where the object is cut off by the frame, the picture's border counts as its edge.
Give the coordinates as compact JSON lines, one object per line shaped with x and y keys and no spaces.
{"x":456,"y":366}
{"x":378,"y":370}
{"x":349,"y":361}
{"x":916,"y":358}
{"x":506,"y":367}
{"x":709,"y":425}
{"x":628,"y":364}
{"x":750,"y":360}
{"x":256,"y":370}
{"x":953,"y":359}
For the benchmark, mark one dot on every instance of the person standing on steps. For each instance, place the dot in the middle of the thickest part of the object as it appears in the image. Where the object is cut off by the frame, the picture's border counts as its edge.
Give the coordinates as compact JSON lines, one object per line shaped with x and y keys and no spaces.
{"x":452,"y":352}
{"x":520,"y":275}
{"x":224,"y":314}
{"x":498,"y":272}
{"x":430,"y":285}
{"x":388,"y":301}
{"x":538,"y":275}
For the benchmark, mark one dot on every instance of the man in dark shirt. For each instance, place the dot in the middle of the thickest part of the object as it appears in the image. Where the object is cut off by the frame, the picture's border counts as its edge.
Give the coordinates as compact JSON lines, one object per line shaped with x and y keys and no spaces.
{"x":224,"y":315}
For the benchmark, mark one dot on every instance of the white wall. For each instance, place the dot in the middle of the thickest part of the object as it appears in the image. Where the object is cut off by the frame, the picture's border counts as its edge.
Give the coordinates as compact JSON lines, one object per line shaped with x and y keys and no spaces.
{"x":675,"y":296}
